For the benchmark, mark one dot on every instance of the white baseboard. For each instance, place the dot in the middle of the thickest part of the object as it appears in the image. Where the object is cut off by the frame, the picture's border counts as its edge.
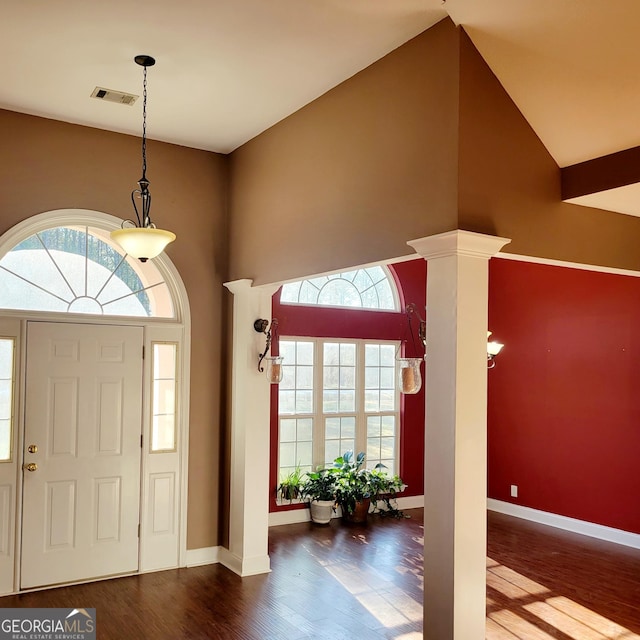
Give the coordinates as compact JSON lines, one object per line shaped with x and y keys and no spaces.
{"x":293,"y":516}
{"x":221,"y":555}
{"x":568,"y":524}
{"x":204,"y":555}
{"x":411,"y":502}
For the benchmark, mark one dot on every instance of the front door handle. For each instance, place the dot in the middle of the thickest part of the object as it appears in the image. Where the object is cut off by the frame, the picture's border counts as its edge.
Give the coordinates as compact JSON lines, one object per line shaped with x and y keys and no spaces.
{"x":31,"y":466}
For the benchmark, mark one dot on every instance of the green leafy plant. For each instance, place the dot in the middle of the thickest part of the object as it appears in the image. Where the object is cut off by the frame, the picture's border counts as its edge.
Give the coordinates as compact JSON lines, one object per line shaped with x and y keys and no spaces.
{"x":385,"y":488}
{"x":355,"y":483}
{"x":319,"y":485}
{"x":290,"y":486}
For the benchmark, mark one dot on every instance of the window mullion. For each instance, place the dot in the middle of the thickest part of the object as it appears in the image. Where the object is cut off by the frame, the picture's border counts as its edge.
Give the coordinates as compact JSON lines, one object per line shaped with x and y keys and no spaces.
{"x":318,"y":416}
{"x":361,"y":419}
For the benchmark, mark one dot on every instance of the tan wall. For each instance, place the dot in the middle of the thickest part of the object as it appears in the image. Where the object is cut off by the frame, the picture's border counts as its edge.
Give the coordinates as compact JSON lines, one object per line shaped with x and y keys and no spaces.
{"x":510,"y":185}
{"x":352,"y":176}
{"x":47,"y":165}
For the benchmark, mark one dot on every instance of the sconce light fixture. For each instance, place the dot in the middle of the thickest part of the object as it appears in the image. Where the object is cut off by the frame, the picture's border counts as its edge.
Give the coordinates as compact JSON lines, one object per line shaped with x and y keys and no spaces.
{"x":409,"y":376}
{"x":274,"y":363}
{"x":141,"y":238}
{"x":493,"y":349}
{"x":410,"y":309}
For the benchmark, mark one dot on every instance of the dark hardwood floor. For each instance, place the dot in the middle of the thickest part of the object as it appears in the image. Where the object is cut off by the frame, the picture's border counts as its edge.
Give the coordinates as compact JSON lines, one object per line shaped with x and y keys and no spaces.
{"x":365,"y":582}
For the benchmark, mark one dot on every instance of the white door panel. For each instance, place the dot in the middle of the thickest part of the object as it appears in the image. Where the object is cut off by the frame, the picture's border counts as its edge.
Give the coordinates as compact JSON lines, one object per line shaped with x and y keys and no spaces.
{"x":83,"y":413}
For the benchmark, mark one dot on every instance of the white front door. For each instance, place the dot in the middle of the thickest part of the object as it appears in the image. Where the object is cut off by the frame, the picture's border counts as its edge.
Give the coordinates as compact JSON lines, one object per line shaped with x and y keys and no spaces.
{"x":83,"y":437}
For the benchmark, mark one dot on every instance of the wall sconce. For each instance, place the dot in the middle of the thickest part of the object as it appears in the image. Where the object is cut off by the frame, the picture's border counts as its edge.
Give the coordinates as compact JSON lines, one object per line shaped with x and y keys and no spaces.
{"x":493,"y":349}
{"x":411,"y":308}
{"x":409,"y":376}
{"x":274,"y":363}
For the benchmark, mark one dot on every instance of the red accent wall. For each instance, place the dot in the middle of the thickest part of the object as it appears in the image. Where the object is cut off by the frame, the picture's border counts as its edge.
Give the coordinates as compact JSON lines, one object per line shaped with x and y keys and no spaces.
{"x":325,"y":322}
{"x":564,"y":397}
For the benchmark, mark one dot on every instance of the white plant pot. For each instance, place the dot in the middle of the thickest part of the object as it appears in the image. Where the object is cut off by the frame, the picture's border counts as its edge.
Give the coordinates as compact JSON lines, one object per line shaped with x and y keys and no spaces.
{"x":321,"y":511}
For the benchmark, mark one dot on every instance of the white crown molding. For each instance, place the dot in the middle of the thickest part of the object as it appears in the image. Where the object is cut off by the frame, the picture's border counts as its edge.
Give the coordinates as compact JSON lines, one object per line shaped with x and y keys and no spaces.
{"x":568,"y":265}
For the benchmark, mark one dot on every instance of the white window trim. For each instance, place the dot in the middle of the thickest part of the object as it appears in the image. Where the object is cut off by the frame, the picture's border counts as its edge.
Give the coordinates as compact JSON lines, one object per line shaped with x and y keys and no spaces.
{"x":390,"y":279}
{"x":88,"y":218}
{"x":318,"y":416}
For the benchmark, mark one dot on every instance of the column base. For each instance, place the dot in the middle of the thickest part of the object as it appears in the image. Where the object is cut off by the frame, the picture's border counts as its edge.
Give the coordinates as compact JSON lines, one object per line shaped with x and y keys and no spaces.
{"x":245,"y":566}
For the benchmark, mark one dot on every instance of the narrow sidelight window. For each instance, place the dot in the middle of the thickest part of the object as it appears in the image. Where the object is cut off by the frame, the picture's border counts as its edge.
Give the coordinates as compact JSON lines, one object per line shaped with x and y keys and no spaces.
{"x":164,"y":367}
{"x":7,"y":381}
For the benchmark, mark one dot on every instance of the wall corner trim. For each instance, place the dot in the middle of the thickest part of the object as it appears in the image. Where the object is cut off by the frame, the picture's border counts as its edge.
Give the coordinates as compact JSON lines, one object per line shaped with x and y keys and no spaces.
{"x":609,"y":534}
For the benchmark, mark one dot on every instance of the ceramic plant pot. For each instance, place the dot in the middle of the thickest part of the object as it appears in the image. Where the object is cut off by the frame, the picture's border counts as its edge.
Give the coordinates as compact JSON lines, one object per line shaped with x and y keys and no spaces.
{"x":321,"y":511}
{"x":359,"y":515}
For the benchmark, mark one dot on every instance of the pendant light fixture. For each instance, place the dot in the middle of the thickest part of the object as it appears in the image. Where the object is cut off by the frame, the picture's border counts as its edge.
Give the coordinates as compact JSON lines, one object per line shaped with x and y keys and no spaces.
{"x":141,"y":238}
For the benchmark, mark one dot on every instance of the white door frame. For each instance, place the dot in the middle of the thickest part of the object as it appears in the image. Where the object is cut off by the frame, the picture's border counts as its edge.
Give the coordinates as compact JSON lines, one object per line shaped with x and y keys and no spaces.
{"x":155,"y":330}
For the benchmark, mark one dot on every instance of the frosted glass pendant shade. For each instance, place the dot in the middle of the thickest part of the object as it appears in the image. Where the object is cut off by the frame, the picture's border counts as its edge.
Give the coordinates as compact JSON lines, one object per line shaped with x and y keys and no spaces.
{"x":409,"y":378}
{"x":143,"y":242}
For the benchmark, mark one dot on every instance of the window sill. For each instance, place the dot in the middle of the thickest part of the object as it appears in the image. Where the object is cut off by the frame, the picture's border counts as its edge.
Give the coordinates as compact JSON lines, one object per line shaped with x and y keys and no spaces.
{"x":286,"y":503}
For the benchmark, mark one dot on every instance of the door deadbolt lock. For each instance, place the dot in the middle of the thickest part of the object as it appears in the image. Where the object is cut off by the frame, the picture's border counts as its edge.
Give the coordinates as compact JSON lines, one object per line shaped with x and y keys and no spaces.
{"x":32,"y":466}
{"x":32,"y":448}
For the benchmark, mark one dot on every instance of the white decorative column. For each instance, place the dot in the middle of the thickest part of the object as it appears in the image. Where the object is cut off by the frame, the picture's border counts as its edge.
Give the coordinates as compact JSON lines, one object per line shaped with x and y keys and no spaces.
{"x":455,"y":487}
{"x":250,"y":417}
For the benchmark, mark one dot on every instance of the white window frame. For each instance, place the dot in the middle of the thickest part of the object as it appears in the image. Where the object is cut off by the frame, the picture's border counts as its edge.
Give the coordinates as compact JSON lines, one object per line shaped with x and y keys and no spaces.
{"x":151,"y":278}
{"x":318,"y":416}
{"x":338,"y":275}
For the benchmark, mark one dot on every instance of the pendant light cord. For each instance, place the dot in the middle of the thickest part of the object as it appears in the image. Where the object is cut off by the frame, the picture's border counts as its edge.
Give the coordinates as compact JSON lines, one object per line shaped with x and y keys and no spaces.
{"x":142,"y":193}
{"x":144,"y":124}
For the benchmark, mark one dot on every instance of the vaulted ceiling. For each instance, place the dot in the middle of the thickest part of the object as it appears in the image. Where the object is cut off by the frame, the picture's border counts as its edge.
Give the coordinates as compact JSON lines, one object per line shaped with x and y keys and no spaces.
{"x":228,"y":70}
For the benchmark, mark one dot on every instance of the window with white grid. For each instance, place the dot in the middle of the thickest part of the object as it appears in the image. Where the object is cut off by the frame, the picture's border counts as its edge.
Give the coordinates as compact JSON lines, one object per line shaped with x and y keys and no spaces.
{"x":7,"y":381}
{"x":295,"y":401}
{"x":335,"y":396}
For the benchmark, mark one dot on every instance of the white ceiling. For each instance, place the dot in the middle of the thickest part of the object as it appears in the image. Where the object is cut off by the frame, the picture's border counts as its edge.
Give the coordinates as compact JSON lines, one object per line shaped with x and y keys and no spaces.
{"x":228,"y":69}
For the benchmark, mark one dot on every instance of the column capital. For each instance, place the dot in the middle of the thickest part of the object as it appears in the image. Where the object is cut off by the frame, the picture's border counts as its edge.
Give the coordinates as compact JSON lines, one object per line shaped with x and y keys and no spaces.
{"x":245,"y":285}
{"x":458,"y":242}
{"x":239,"y":286}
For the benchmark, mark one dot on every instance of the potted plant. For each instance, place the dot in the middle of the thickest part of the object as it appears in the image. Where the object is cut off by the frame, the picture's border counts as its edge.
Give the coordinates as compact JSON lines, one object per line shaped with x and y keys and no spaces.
{"x":319,"y":488}
{"x":357,"y":487}
{"x":384,"y":488}
{"x":290,"y":485}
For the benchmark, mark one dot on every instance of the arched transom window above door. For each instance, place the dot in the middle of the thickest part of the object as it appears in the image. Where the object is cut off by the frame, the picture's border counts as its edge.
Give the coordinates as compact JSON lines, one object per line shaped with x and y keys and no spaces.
{"x":77,"y":269}
{"x":365,"y":288}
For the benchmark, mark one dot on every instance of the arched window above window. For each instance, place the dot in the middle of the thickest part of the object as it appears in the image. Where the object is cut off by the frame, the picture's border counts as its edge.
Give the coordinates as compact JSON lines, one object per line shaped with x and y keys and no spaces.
{"x":77,"y":269}
{"x":366,"y":288}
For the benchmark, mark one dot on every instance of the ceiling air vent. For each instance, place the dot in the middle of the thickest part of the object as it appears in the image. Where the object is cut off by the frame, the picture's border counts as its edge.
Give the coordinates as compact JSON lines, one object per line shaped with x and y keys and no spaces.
{"x":114,"y":96}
